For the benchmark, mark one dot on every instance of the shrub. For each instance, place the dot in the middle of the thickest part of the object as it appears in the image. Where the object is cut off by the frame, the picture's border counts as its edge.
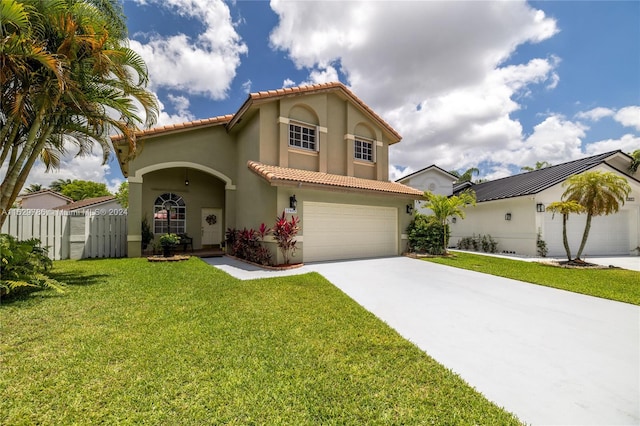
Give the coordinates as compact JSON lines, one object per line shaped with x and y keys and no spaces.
{"x":147,"y":234}
{"x":247,"y":244}
{"x":284,"y":232}
{"x":541,"y":246}
{"x":426,"y":235}
{"x":483,"y":243}
{"x":23,"y":266}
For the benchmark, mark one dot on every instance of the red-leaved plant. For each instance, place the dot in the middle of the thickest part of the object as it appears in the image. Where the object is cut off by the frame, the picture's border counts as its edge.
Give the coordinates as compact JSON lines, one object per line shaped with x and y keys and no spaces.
{"x":284,"y":232}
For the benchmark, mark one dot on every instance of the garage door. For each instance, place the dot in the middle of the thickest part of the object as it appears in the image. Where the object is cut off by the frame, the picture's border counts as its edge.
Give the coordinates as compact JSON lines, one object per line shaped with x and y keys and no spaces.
{"x":609,"y":235}
{"x":346,"y":231}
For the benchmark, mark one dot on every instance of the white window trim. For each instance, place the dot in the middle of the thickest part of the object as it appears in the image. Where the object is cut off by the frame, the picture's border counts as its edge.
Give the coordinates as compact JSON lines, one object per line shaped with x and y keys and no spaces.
{"x":308,"y":126}
{"x":373,"y":144}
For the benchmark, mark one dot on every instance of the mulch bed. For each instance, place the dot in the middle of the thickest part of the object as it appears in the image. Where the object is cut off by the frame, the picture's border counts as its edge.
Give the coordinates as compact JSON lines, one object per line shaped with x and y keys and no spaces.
{"x":174,"y":258}
{"x":577,"y":264}
{"x":281,"y":267}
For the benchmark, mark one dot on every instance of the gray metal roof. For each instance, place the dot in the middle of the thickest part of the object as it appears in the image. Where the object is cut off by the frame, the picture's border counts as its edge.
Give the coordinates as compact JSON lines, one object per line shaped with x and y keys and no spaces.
{"x":530,"y":183}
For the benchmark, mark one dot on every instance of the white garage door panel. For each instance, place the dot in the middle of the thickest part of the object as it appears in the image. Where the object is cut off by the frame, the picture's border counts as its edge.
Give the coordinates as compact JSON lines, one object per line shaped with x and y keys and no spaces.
{"x":345,"y":231}
{"x":609,"y":235}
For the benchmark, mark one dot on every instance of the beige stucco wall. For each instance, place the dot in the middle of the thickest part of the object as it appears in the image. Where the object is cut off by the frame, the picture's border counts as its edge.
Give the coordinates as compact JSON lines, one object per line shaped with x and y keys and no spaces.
{"x":207,"y":155}
{"x":337,"y":121}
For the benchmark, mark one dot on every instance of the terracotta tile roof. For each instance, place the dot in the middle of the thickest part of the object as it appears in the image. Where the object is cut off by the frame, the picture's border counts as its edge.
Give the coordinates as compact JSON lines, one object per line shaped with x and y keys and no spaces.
{"x":222,"y":119}
{"x":288,"y":91}
{"x":86,"y":203}
{"x":282,"y":176}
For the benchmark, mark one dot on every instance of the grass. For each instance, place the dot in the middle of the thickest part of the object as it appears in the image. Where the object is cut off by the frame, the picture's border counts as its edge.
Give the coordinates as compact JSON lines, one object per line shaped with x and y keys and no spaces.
{"x":615,"y":284}
{"x":183,"y":343}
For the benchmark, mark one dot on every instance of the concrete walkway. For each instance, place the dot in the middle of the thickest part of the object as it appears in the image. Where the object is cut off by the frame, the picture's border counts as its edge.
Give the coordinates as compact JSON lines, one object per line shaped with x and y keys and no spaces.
{"x":547,"y":355}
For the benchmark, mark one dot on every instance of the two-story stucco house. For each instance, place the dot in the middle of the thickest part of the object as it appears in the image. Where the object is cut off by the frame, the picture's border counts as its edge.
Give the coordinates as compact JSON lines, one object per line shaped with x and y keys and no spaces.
{"x":318,"y":149}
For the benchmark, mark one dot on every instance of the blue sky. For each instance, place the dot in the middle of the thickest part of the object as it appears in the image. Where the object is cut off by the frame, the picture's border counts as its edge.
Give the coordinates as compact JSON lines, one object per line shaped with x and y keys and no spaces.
{"x":494,"y":85}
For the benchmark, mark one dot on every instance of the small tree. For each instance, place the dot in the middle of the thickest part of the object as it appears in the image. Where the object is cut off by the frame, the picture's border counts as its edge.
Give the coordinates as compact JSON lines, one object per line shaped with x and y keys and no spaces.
{"x":635,"y":162}
{"x":444,"y":207}
{"x":539,"y":165}
{"x":284,"y":232}
{"x":600,"y":193}
{"x":83,"y":189}
{"x":565,"y":208}
{"x":123,"y":194}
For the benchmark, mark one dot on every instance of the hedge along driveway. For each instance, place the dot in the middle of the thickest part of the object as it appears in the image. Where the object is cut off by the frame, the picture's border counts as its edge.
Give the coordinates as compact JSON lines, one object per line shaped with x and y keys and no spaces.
{"x":549,"y":356}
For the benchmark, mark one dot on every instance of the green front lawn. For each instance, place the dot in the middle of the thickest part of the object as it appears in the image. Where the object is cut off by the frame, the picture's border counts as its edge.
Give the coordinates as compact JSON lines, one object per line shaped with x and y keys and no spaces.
{"x":615,"y":284}
{"x":135,"y":342}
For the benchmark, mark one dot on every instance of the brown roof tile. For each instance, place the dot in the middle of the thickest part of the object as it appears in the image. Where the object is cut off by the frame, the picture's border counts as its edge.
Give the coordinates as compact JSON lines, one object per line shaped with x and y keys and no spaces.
{"x":281,"y":175}
{"x":86,"y":203}
{"x":222,"y":119}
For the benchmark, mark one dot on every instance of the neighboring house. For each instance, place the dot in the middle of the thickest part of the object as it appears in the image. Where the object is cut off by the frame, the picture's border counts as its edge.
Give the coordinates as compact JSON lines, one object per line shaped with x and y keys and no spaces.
{"x":316,"y":150}
{"x":101,"y":205}
{"x":512,"y":211}
{"x":45,"y":199}
{"x":432,"y":179}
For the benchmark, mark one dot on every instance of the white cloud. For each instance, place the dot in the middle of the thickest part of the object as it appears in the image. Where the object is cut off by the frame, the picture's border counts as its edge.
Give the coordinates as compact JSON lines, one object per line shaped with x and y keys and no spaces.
{"x":434,"y":70}
{"x":203,"y":65}
{"x":246,"y":86}
{"x":288,"y":83}
{"x":88,"y":167}
{"x":627,"y":143}
{"x":629,"y":116}
{"x":182,"y":114}
{"x":595,"y":114}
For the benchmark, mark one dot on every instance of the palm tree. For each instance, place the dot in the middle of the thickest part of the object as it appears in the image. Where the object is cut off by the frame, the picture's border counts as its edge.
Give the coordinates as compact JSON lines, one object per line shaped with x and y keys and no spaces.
{"x":34,"y":187}
{"x":78,"y":94}
{"x":58,"y":184}
{"x":635,"y":162}
{"x":467,"y":176}
{"x":600,"y":193}
{"x":444,"y":207}
{"x":565,"y":208}
{"x":539,"y":165}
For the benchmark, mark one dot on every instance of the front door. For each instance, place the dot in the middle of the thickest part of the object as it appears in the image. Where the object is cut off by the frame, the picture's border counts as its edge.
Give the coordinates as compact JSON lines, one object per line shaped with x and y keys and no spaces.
{"x":211,"y":222}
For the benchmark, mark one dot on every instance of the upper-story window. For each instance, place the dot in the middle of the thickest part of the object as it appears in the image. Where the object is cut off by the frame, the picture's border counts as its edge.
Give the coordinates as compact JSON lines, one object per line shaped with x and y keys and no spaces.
{"x":363,"y":150}
{"x":302,"y":136}
{"x":169,"y":214}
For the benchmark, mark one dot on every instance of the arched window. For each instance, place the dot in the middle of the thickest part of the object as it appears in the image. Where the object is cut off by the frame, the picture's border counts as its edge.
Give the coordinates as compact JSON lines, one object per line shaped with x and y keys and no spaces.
{"x":169,"y":214}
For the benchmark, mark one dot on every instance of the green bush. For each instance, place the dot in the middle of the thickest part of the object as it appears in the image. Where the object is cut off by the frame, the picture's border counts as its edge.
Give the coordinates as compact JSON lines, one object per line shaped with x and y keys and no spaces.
{"x":426,"y":235}
{"x":483,"y":243}
{"x":23,"y":266}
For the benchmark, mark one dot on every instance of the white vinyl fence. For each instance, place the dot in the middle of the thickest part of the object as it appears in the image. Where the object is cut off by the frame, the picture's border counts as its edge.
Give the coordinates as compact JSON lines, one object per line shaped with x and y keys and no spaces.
{"x":71,"y":235}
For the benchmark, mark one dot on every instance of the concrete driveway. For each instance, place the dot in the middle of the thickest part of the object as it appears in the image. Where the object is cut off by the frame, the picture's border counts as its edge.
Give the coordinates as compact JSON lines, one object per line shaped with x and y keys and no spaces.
{"x":551,"y":357}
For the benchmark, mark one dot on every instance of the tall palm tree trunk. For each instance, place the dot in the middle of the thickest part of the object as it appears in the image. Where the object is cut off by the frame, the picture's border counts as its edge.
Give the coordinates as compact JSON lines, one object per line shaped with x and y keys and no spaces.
{"x":565,"y":240}
{"x":585,"y":235}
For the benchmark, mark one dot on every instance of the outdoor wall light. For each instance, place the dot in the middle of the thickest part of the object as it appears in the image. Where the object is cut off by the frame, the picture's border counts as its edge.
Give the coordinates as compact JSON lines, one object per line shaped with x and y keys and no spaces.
{"x":186,"y":178}
{"x":507,"y":216}
{"x":293,"y":203}
{"x":454,"y":220}
{"x":540,"y":208}
{"x":409,"y":209}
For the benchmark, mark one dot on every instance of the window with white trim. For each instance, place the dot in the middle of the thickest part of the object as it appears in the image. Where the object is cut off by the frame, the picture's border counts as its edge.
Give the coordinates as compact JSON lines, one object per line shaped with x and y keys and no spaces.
{"x":363,"y":150}
{"x":301,"y":136}
{"x":169,"y":214}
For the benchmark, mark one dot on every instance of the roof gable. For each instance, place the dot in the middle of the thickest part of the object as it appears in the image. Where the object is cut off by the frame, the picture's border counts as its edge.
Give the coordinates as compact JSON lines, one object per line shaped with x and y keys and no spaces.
{"x":432,"y":167}
{"x":45,"y":192}
{"x":259,"y":97}
{"x":533,"y":182}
